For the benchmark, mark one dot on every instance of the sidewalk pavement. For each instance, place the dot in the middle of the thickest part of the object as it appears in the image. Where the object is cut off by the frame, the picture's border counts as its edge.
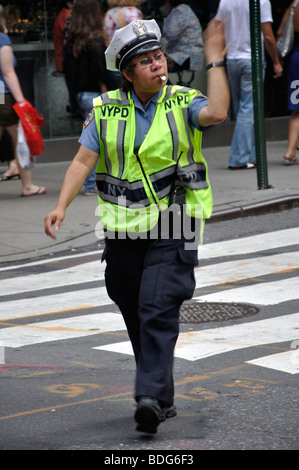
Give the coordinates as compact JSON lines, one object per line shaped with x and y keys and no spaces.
{"x":236,"y":194}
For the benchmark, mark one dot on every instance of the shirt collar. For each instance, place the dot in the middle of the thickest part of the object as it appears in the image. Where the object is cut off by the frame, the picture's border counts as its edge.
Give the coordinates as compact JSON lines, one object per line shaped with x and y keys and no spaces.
{"x":153,"y":100}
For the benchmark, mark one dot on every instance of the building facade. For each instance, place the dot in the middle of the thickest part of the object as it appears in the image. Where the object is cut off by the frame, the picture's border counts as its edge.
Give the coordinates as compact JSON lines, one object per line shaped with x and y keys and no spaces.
{"x":30,"y":26}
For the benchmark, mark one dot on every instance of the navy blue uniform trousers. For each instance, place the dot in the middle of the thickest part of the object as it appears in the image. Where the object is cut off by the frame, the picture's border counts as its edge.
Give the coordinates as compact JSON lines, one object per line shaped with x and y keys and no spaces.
{"x":149,"y":280}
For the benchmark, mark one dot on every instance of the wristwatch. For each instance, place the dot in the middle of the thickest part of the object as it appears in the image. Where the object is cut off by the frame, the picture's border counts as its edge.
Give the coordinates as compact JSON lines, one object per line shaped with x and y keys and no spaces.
{"x":220,"y":63}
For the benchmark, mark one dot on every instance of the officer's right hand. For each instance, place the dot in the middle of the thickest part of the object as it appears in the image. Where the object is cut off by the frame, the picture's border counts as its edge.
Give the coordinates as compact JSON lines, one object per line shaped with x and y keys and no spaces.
{"x":53,"y":218}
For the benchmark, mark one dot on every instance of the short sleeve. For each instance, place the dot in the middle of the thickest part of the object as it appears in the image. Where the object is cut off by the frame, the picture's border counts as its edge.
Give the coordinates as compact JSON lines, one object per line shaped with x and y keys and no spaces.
{"x":89,"y":136}
{"x":199,"y":102}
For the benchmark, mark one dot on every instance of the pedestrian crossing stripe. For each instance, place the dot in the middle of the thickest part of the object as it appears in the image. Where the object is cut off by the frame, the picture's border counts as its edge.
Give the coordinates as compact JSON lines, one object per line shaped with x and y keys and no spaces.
{"x":196,"y":345}
{"x":242,"y":246}
{"x":94,"y":270}
{"x":252,"y":244}
{"x":287,"y":361}
{"x":191,"y":346}
{"x":265,"y":293}
{"x":268,"y":293}
{"x":226,"y":272}
{"x":50,"y":304}
{"x":63,"y":329}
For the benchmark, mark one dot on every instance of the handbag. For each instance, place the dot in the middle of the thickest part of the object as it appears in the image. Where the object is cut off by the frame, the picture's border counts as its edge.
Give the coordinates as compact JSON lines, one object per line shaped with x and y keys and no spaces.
{"x":31,"y":122}
{"x":25,"y":159}
{"x":286,"y":41}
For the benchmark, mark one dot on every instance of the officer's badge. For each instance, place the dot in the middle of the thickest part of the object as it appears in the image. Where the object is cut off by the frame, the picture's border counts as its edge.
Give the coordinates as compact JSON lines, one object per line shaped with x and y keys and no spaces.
{"x":89,"y":118}
{"x":139,"y":28}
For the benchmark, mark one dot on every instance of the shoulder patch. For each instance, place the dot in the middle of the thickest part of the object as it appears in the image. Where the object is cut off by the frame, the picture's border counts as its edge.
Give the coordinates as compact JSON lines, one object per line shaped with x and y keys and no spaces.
{"x":200,"y":95}
{"x":89,"y":118}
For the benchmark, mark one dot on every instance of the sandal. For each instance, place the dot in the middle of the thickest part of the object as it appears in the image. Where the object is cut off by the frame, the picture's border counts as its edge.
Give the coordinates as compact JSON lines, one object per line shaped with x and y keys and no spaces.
{"x":40,"y":190}
{"x":5,"y":177}
{"x":289,"y":160}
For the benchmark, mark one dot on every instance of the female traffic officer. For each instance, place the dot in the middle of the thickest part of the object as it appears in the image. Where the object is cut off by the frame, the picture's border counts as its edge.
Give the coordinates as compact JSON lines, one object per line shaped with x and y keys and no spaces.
{"x":146,"y":137}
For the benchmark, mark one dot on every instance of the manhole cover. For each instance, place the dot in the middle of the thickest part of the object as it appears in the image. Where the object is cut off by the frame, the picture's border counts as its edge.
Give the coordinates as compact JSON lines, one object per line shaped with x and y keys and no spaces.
{"x":197,"y":312}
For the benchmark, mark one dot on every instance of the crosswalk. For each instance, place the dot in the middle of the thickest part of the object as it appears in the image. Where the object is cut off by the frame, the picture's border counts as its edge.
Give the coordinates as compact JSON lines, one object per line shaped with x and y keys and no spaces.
{"x":261,"y":270}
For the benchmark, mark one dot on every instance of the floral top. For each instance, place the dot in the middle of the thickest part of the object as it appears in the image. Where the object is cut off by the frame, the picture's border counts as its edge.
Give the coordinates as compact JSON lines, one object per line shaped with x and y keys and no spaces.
{"x":118,"y":17}
{"x":183,"y":32}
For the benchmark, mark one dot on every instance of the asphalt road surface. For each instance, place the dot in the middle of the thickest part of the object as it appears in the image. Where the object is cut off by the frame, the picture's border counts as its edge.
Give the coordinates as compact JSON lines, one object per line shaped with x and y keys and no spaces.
{"x":67,"y":370}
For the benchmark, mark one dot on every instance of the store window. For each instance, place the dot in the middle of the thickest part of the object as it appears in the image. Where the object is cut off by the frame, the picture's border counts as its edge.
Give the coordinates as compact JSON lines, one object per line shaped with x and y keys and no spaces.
{"x":30,"y":24}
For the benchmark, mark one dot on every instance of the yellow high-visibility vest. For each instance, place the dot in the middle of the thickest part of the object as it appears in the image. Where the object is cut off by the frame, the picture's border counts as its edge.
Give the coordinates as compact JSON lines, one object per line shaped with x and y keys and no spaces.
{"x":135,"y":188}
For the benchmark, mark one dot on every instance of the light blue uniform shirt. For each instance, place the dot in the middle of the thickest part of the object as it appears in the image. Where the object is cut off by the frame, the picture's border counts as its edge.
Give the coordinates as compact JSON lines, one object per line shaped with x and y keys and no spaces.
{"x":144,"y":117}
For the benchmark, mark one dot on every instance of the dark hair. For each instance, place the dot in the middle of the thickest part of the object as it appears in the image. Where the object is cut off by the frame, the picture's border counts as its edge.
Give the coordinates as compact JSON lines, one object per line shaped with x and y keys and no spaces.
{"x":126,"y":85}
{"x":175,"y":3}
{"x":85,"y":24}
{"x":64,"y":4}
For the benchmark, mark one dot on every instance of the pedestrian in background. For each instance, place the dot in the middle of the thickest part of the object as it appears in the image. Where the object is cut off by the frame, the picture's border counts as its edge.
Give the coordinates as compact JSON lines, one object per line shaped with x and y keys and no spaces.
{"x":235,"y":16}
{"x":8,"y":117}
{"x":119,"y":14}
{"x":6,"y":146}
{"x":65,"y":8}
{"x":293,"y":88}
{"x":84,"y":63}
{"x":183,"y":33}
{"x":146,"y":138}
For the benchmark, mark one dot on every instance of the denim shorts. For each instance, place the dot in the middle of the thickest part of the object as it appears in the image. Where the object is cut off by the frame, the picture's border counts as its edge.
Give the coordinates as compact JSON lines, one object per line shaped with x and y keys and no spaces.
{"x":8,"y":116}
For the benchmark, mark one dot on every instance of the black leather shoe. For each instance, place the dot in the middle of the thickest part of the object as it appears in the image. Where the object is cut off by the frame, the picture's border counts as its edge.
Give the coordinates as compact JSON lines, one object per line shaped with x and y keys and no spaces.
{"x":169,"y":411}
{"x":148,"y":415}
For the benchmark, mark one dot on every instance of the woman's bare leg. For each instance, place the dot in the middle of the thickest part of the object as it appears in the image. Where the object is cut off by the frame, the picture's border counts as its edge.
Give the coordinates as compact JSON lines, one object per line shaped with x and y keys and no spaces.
{"x":26,"y":176}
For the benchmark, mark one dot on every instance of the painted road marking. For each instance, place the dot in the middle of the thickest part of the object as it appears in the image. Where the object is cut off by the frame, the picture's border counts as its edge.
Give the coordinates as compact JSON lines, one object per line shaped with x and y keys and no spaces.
{"x":50,"y":261}
{"x":233,"y":271}
{"x":82,"y":273}
{"x":192,"y":345}
{"x":230,"y":271}
{"x":196,"y":345}
{"x":55,"y":330}
{"x":54,"y":303}
{"x":246,"y":245}
{"x":268,"y":293}
{"x":241,"y":246}
{"x":287,"y":361}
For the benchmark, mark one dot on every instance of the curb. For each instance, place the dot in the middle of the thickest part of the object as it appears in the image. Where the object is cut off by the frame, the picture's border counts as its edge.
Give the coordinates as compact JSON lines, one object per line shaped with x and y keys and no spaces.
{"x":260,"y":208}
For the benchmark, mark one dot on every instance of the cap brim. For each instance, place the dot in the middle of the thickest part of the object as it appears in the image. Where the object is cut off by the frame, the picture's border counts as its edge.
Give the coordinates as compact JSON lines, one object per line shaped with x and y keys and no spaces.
{"x":147,"y":46}
{"x":128,"y":41}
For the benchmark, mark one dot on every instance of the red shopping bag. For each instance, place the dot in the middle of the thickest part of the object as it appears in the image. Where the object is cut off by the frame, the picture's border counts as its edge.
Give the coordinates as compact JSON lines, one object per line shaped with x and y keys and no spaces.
{"x":31,"y":122}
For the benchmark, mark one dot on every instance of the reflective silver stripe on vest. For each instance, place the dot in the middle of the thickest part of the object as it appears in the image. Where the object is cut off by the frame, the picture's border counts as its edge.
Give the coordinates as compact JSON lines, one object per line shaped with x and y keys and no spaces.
{"x":121,"y":192}
{"x":171,"y":92}
{"x":162,"y":181}
{"x":173,"y":126}
{"x":192,"y":176}
{"x":190,"y":151}
{"x":103,"y":132}
{"x":120,"y":146}
{"x":124,"y":100}
{"x":174,"y":134}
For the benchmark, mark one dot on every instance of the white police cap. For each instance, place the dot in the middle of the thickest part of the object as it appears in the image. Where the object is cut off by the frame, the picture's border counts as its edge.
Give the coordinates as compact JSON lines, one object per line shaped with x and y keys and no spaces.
{"x":137,"y":37}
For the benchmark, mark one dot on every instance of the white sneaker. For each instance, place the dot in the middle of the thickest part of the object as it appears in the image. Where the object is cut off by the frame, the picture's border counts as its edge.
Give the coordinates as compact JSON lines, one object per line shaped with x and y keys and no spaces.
{"x":91,"y":192}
